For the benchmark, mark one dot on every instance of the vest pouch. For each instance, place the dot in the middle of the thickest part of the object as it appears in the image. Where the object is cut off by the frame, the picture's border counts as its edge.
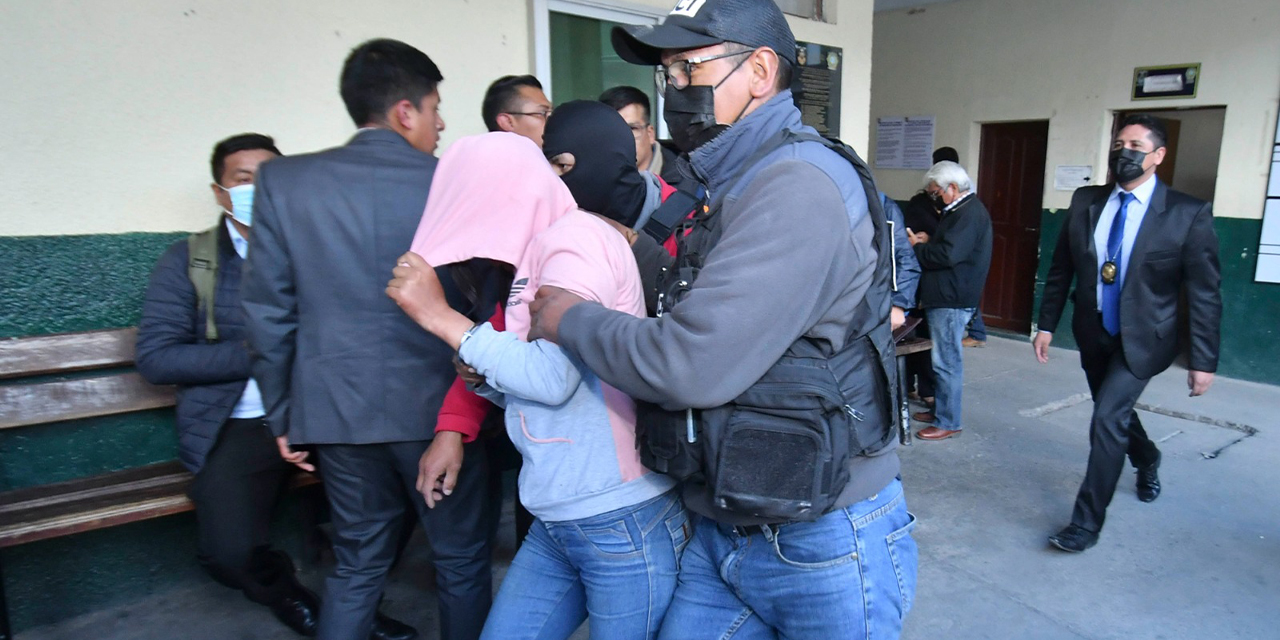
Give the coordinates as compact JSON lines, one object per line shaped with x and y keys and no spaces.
{"x":663,"y":439}
{"x":864,"y":383}
{"x":779,"y":454}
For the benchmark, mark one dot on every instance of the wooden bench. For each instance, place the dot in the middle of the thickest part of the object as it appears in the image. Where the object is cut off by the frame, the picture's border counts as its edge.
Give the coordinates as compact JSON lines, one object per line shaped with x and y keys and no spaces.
{"x":95,"y":502}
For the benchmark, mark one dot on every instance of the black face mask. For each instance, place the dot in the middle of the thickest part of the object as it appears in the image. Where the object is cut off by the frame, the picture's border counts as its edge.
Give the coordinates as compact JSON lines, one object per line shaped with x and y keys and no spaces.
{"x":691,"y":116}
{"x":690,"y":113}
{"x":938,"y":203}
{"x":604,"y":178}
{"x":1126,"y":164}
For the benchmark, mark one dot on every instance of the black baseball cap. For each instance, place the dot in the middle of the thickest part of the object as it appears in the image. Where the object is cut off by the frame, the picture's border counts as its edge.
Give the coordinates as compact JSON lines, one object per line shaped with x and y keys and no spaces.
{"x":701,"y":23}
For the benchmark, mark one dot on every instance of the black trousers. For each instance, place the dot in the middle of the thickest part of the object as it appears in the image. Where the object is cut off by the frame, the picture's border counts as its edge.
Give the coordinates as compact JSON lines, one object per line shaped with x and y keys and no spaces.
{"x":235,"y":493}
{"x":920,"y":366}
{"x":1114,"y":430}
{"x":366,"y":485}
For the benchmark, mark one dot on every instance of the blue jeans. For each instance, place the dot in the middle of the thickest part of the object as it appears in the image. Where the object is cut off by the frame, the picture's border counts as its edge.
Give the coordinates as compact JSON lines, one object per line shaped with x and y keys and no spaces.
{"x":978,"y":328}
{"x":617,"y":569}
{"x":849,"y":574}
{"x":946,"y":326}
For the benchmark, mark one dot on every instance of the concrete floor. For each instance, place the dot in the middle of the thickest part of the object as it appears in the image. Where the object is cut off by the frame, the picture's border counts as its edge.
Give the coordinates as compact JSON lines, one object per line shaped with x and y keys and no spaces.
{"x":1203,"y":561}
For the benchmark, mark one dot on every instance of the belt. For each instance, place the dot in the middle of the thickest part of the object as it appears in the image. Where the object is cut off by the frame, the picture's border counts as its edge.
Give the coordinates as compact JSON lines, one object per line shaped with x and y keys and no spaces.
{"x":748,"y":530}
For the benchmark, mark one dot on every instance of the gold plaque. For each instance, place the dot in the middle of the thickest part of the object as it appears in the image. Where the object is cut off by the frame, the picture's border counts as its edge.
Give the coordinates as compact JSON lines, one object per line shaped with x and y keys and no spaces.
{"x":1109,"y":271}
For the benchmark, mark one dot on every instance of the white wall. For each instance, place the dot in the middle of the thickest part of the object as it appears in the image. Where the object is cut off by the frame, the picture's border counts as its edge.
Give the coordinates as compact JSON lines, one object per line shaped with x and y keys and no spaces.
{"x":1072,"y":63}
{"x":112,"y":108}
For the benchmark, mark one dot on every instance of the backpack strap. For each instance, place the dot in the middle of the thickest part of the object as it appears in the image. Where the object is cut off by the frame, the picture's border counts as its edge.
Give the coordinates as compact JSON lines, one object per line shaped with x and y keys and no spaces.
{"x":202,"y":269}
{"x":668,"y":216}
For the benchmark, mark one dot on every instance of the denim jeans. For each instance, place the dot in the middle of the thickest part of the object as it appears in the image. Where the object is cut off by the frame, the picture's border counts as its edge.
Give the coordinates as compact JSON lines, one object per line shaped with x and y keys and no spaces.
{"x":849,"y":574}
{"x":978,"y":328}
{"x":617,"y":570}
{"x":947,"y":328}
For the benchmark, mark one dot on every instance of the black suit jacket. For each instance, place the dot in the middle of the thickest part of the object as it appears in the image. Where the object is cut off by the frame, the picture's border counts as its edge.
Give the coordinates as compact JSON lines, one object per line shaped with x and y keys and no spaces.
{"x":1176,"y":248}
{"x":337,"y":361}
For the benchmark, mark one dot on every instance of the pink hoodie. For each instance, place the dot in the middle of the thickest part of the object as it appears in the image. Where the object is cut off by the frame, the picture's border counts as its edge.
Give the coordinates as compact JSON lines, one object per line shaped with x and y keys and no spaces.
{"x":495,"y":196}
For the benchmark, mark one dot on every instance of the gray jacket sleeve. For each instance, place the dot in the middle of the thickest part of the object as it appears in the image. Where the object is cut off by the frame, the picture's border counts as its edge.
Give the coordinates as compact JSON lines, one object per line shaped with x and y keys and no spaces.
{"x":271,"y":306}
{"x":906,"y":267}
{"x":766,"y":283}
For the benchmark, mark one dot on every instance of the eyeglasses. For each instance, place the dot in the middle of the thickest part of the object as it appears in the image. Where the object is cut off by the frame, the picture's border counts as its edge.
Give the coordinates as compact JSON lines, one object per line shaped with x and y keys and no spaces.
{"x":544,"y":114}
{"x":678,"y":73}
{"x":637,"y":128}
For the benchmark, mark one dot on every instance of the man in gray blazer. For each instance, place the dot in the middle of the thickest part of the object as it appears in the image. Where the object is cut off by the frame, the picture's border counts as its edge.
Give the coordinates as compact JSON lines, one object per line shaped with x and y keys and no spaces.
{"x":342,"y":370}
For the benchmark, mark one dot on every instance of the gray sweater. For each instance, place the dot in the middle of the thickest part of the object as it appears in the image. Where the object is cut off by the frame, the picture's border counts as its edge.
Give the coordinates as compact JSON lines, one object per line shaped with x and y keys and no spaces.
{"x":795,"y":259}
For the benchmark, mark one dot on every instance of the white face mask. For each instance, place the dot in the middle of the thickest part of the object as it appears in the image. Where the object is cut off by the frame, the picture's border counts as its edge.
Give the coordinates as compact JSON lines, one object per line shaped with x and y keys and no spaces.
{"x":241,"y":203}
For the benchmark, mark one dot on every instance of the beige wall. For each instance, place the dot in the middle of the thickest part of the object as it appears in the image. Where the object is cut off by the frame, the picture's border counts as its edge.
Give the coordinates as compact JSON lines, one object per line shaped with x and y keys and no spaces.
{"x":1199,"y":148}
{"x":112,"y":108}
{"x":1072,"y":63}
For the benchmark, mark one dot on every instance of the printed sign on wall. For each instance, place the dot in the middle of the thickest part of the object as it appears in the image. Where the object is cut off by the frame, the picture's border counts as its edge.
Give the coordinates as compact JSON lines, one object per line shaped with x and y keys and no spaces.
{"x":1163,"y":83}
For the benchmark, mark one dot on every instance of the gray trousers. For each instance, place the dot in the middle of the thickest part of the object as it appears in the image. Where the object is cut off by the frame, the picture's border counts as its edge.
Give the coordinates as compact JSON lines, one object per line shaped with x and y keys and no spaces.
{"x":366,"y":486}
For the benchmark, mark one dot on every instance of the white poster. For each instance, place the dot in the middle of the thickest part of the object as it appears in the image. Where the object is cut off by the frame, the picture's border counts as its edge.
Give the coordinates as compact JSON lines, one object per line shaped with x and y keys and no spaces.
{"x":917,"y":143}
{"x":905,"y":142}
{"x":889,"y":143}
{"x":1269,"y":246}
{"x":1069,"y":177}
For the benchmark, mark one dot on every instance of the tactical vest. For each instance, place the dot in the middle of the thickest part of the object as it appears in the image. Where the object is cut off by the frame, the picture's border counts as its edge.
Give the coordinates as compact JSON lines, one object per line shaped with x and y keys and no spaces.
{"x":781,"y":449}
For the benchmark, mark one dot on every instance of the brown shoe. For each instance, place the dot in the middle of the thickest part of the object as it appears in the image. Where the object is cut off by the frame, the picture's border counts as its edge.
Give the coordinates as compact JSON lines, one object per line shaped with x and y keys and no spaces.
{"x":934,"y":433}
{"x":923,"y":416}
{"x":970,"y":342}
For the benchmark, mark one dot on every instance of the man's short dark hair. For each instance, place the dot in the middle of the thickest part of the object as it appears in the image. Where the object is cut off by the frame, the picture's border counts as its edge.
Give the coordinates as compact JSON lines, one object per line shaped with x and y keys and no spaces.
{"x":1158,"y":135}
{"x":621,"y":97}
{"x":382,"y":72}
{"x":501,"y":96}
{"x":947,"y":154}
{"x":236,"y":144}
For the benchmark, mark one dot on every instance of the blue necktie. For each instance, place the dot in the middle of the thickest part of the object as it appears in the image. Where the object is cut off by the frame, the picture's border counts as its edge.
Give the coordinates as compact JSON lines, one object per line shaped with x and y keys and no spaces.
{"x":1111,"y":292}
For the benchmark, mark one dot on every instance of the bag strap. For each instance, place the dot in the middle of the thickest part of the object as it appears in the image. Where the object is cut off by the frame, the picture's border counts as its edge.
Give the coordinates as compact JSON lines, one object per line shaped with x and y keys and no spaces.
{"x":202,"y":269}
{"x":668,"y":216}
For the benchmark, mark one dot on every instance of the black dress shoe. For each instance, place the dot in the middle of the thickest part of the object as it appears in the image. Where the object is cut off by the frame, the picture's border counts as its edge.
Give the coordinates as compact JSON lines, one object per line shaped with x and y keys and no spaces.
{"x":1148,"y":481}
{"x":385,"y":628}
{"x":300,"y":611}
{"x":1074,"y":539}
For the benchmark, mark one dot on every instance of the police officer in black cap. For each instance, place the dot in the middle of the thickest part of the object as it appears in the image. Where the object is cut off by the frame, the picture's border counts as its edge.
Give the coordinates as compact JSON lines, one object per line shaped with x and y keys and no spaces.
{"x":790,"y":254}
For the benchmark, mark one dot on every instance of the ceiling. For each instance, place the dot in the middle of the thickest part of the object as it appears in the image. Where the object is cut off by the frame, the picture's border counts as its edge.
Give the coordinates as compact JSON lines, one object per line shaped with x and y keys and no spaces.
{"x":893,"y":5}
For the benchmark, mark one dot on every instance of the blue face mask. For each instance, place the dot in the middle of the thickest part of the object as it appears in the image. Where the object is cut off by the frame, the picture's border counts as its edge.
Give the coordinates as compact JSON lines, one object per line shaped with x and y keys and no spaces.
{"x":241,"y":203}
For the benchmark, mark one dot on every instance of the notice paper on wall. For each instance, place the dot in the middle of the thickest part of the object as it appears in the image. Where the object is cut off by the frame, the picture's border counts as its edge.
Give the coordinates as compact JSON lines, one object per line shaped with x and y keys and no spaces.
{"x":904,"y":142}
{"x":1069,"y":177}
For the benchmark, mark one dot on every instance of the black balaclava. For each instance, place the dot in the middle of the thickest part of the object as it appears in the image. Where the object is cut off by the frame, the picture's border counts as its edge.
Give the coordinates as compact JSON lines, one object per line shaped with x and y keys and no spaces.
{"x":604,"y":178}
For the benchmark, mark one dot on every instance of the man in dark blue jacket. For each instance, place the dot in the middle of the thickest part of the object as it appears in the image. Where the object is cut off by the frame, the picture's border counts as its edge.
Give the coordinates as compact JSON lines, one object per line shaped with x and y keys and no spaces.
{"x":222,"y":436}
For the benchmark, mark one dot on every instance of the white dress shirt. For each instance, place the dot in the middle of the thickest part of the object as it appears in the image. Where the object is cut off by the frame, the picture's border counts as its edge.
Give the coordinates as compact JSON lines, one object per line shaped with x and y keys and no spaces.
{"x":1132,"y":222}
{"x":250,"y":404}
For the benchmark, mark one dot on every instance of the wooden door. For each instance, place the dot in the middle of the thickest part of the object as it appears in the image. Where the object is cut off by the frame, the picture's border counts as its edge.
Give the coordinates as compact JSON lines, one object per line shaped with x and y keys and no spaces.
{"x":1011,"y":183}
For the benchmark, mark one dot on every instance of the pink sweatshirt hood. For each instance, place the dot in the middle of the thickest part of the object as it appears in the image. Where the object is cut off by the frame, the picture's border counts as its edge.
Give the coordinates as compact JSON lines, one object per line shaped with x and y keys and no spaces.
{"x":491,"y":195}
{"x":495,"y":196}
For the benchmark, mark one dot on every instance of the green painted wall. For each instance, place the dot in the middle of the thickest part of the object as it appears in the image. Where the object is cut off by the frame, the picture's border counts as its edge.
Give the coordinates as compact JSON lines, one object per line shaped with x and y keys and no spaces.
{"x":78,"y":283}
{"x":1250,"y":341}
